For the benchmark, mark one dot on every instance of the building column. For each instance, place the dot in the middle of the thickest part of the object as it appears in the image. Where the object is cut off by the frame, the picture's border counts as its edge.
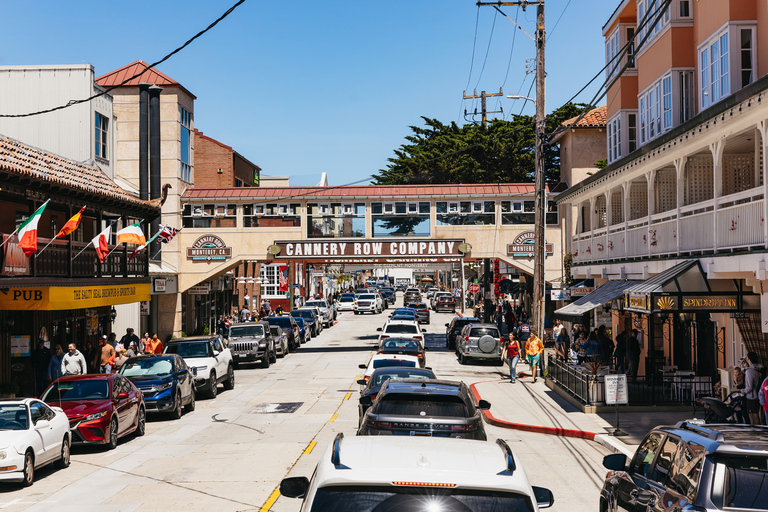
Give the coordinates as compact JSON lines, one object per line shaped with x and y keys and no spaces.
{"x":680,"y":172}
{"x":627,"y":186}
{"x":717,"y":158}
{"x":592,"y":222}
{"x":608,"y":197}
{"x":650,"y":177}
{"x":762,"y":127}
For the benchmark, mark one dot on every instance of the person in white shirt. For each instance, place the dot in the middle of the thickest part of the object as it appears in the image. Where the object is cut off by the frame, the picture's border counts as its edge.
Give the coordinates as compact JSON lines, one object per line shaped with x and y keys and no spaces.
{"x":73,"y":363}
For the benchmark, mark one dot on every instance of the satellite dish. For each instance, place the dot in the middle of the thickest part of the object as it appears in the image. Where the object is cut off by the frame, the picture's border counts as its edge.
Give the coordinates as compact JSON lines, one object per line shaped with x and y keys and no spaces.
{"x":273,"y":249}
{"x":465,"y":248}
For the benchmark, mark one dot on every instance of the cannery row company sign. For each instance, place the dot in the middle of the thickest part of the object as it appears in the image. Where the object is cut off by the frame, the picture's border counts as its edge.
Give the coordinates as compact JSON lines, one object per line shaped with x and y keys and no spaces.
{"x":523,"y":246}
{"x":366,"y":249}
{"x":208,"y":248}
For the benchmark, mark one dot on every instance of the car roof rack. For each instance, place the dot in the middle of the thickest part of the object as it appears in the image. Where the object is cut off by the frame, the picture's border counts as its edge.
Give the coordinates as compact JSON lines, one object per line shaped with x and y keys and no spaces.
{"x":336,"y":452}
{"x":511,"y":466}
{"x":708,"y":432}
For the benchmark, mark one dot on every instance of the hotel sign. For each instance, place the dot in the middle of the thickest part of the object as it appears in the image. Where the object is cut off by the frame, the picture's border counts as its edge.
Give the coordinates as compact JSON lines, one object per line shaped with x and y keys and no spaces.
{"x":523,"y":246}
{"x":356,"y":249}
{"x":208,"y":248}
{"x":710,"y":302}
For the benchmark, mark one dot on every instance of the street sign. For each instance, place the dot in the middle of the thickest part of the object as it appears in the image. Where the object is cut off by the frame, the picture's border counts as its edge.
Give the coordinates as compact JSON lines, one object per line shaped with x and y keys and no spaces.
{"x":616,"y":389}
{"x":474,"y":288}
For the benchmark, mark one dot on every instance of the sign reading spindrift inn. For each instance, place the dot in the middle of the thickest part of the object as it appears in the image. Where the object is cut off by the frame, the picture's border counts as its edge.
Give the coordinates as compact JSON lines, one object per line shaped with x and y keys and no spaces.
{"x":366,"y":249}
{"x":522,"y":246}
{"x":209,"y":247}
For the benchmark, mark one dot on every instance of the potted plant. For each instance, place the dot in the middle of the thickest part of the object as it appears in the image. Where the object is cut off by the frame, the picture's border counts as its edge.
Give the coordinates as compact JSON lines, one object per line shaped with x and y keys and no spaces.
{"x":596,"y":386}
{"x":8,"y":389}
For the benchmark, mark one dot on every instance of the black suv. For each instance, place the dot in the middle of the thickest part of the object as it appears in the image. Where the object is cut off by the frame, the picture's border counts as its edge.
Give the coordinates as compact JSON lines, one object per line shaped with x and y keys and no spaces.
{"x":691,"y":466}
{"x":372,"y":386}
{"x":424,"y":407}
{"x":454,"y":328}
{"x":422,"y":311}
{"x":291,"y":328}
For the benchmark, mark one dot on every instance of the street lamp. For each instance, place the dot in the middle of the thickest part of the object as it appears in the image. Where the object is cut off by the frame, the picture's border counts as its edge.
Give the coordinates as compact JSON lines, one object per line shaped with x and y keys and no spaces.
{"x":113,"y":314}
{"x":518,"y":97}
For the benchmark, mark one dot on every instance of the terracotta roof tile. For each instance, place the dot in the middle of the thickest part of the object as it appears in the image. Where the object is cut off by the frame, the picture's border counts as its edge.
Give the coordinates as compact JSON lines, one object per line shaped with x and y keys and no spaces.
{"x":140,"y":68}
{"x":19,"y":158}
{"x":595,"y":118}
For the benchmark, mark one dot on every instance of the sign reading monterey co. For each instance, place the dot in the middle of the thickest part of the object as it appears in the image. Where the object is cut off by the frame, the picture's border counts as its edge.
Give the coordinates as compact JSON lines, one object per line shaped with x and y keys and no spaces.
{"x":361,"y":249}
{"x":523,"y":246}
{"x":209,"y":247}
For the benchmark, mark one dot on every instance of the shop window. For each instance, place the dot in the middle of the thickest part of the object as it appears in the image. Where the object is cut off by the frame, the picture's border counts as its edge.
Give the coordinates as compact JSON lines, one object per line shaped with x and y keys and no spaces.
{"x":409,"y":219}
{"x":336,"y":220}
{"x":271,"y":215}
{"x":466,"y":213}
{"x":209,"y":215}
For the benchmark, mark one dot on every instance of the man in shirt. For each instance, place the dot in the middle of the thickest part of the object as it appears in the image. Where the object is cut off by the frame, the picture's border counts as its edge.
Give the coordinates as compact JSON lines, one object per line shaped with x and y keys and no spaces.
{"x":154,"y":346}
{"x":73,"y":363}
{"x":752,"y":385}
{"x":128,"y":338}
{"x":533,"y":349}
{"x":106,"y":355}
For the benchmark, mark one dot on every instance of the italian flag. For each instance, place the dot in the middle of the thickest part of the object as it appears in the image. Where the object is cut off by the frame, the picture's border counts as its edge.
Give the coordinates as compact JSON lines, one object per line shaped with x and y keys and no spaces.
{"x":131,"y":235}
{"x":28,"y":232}
{"x":145,"y":244}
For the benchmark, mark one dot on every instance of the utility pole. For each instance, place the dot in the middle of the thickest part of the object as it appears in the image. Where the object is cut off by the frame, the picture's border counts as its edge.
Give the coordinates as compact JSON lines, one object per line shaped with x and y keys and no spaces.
{"x":482,"y":97}
{"x":540,"y":205}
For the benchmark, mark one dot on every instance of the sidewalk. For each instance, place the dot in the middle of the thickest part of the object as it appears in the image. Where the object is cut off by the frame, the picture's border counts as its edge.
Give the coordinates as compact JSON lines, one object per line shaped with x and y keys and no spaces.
{"x":534,"y":407}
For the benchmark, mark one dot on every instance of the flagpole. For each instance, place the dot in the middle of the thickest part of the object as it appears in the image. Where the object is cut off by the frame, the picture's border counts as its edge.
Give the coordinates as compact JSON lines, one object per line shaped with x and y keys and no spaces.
{"x":81,"y":252}
{"x":9,"y":237}
{"x":46,"y":246}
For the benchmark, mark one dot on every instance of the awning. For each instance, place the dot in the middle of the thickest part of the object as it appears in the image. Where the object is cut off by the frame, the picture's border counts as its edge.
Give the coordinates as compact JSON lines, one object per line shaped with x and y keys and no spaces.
{"x":582,"y":288}
{"x":58,"y":298}
{"x":605,"y":293}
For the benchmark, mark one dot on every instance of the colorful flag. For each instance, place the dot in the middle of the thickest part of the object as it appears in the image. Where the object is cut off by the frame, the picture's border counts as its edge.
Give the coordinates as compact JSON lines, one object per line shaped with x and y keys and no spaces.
{"x":28,"y":232}
{"x":101,"y":242}
{"x":131,"y":235}
{"x":167,"y":233}
{"x":283,"y":271}
{"x":141,"y":247}
{"x":72,"y":224}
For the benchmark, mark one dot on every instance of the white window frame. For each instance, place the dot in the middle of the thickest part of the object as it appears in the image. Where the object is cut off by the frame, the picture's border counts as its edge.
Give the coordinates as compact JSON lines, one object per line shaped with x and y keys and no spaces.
{"x":612,"y":48}
{"x":652,"y":108}
{"x":614,"y":138}
{"x":271,"y":287}
{"x":714,"y":70}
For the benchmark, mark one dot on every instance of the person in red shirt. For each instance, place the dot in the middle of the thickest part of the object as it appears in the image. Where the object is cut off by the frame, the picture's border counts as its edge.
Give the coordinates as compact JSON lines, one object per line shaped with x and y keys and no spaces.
{"x":511,"y":352}
{"x":154,"y":346}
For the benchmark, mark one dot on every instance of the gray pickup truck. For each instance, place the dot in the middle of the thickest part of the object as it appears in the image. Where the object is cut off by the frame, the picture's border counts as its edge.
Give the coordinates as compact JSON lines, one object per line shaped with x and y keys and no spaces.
{"x":252,"y":341}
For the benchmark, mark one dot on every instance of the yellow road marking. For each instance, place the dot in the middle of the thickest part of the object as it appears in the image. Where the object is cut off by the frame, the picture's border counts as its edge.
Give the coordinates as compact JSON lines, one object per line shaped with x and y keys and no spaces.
{"x":310,"y":447}
{"x":270,"y":501}
{"x":348,"y":395}
{"x":333,"y":418}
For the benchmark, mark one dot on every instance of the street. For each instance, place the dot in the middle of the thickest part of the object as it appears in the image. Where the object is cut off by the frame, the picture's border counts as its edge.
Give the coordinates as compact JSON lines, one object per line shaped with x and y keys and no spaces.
{"x":232,"y":452}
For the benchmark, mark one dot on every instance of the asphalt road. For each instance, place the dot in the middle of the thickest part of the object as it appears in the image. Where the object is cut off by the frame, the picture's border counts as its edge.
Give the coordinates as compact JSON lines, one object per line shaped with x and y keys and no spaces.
{"x":231,"y":452}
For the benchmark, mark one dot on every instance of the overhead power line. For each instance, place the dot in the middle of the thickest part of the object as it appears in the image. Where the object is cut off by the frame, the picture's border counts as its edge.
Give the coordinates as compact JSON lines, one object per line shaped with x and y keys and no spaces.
{"x":151,"y":66}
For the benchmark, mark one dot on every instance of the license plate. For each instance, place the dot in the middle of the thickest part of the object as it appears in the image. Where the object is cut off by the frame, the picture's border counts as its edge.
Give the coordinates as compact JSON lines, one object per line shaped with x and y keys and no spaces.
{"x":425,"y":434}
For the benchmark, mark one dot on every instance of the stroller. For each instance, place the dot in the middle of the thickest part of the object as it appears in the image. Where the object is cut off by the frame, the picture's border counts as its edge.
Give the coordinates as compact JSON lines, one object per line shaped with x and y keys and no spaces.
{"x":730,"y":411}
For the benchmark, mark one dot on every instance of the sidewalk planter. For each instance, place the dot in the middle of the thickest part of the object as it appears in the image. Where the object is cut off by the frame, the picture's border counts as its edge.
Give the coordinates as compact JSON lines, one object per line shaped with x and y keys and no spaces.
{"x":596,"y":390}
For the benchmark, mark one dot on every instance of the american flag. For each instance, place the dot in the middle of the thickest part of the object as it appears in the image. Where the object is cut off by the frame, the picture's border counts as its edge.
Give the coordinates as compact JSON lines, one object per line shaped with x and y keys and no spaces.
{"x":283,"y":271}
{"x":167,"y":233}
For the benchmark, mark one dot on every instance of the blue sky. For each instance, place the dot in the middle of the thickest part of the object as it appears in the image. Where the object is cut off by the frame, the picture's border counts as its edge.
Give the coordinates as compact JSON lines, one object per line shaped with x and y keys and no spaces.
{"x":303,"y":87}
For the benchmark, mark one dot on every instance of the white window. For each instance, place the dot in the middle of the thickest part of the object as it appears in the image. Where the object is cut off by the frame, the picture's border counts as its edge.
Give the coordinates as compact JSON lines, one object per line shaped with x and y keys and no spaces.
{"x":714,"y":69}
{"x":747,"y":56}
{"x":102,"y":135}
{"x":614,"y":139}
{"x":271,"y":275}
{"x":632,"y":131}
{"x":666,"y":90}
{"x":612,"y":60}
{"x":647,"y":22}
{"x":651,"y":108}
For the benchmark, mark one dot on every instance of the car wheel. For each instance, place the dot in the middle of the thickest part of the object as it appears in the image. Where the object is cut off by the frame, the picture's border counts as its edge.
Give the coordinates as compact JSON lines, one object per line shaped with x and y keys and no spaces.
{"x":357,"y":312}
{"x":282,"y":352}
{"x":176,"y":412}
{"x":265,"y":360}
{"x":191,"y":405}
{"x":462,"y":359}
{"x":229,"y":384}
{"x":29,"y":469}
{"x":213,"y":385}
{"x":112,"y":443}
{"x":272,"y":356}
{"x":141,"y":425}
{"x":63,"y":461}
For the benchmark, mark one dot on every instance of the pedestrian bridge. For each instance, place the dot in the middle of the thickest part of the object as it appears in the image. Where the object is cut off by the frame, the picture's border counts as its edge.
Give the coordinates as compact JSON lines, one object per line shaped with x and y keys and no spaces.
{"x":362,"y":227}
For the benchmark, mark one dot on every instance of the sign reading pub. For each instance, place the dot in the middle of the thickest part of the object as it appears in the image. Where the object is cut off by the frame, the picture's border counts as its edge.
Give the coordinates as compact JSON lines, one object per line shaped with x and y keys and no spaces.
{"x":367,"y":249}
{"x":209,"y":247}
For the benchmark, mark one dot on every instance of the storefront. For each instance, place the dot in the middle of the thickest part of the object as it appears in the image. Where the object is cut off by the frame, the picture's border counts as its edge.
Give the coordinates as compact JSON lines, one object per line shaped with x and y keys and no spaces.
{"x":601,"y":303}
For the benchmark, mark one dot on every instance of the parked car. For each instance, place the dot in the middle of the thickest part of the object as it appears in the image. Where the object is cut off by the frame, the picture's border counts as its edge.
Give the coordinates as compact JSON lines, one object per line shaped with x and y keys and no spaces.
{"x":422,"y":311}
{"x":412,"y":295}
{"x":166,"y":382}
{"x":280,"y":338}
{"x":328,"y":310}
{"x":252,"y":341}
{"x":418,"y":407}
{"x":289,"y":325}
{"x":32,"y":434}
{"x":384,"y":300}
{"x":309,"y":317}
{"x":479,"y":341}
{"x":101,"y":408}
{"x":404,"y":346}
{"x":390,"y":294}
{"x":372,"y":386}
{"x":346,"y":302}
{"x":387,"y":361}
{"x":211,"y":360}
{"x":691,"y":466}
{"x":454,"y":327}
{"x":443,"y":301}
{"x":368,"y":303}
{"x":304,"y":330}
{"x":320,"y":317}
{"x":417,"y":474}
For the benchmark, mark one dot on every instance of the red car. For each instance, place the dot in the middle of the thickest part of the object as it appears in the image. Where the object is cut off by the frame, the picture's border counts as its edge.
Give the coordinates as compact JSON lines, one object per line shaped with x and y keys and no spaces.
{"x":100,"y":408}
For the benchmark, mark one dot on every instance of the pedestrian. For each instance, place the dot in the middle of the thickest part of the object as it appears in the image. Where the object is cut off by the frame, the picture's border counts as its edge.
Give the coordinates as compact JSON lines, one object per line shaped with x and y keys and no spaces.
{"x":267,"y":307}
{"x":581,"y":347}
{"x":511,"y":352}
{"x":561,"y":342}
{"x":620,"y":352}
{"x":41,"y":358}
{"x":143,"y":343}
{"x":633,"y":355}
{"x":112,"y":339}
{"x":752,"y":386}
{"x":222,"y":326}
{"x":106,"y":355}
{"x":132,"y":349}
{"x":533,"y":349}
{"x":155,"y":346}
{"x":54,"y":366}
{"x":120,"y":360}
{"x":593,"y":347}
{"x":764,"y":398}
{"x":606,"y":344}
{"x":279,"y":310}
{"x":556,"y":329}
{"x":245,"y":314}
{"x":262,"y":313}
{"x":246,"y":299}
{"x":129,"y":337}
{"x":73,"y":362}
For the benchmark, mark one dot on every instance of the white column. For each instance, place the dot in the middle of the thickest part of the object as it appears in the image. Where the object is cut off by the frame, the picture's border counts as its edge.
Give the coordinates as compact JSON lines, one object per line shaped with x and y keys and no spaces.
{"x":608,"y":219}
{"x":680,"y":172}
{"x":592,"y":222}
{"x":717,"y":158}
{"x":762,"y":127}
{"x":650,"y":176}
{"x":627,"y":186}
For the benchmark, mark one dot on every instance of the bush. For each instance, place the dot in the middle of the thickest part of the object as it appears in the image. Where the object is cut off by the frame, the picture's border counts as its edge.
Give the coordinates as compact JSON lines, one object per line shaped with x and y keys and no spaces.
{"x":206,"y":331}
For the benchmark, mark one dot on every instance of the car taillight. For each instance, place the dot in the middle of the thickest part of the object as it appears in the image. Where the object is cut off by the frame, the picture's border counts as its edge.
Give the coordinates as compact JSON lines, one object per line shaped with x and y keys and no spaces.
{"x":423,"y":484}
{"x":466,"y":338}
{"x":420,"y":355}
{"x":383,"y":337}
{"x":417,"y":337}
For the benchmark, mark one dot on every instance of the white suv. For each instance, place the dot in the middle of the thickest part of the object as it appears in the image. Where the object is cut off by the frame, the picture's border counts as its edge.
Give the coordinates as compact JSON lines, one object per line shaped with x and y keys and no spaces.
{"x":210,"y":362}
{"x":368,"y":303}
{"x":401,"y":329}
{"x":400,"y":473}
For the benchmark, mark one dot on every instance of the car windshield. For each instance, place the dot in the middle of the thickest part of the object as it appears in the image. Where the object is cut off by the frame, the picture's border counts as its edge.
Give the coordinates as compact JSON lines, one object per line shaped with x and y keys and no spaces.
{"x":403,"y":316}
{"x":318,"y":303}
{"x":71,"y":390}
{"x":415,"y":499}
{"x":282,"y":321}
{"x":240,"y":331}
{"x":746,"y":483}
{"x":153,"y":367}
{"x":477,"y":332}
{"x":401,"y":329}
{"x":275,"y":330}
{"x":347,"y":299}
{"x":416,"y":305}
{"x":381,"y":377}
{"x":435,"y":406}
{"x":303,"y":313}
{"x":385,"y":363}
{"x":13,"y":417}
{"x":367,"y":296}
{"x":191,"y":350}
{"x":400,"y":345}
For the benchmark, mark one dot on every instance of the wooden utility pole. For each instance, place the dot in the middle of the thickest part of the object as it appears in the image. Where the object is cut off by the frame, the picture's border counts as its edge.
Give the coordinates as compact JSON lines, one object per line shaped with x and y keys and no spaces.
{"x":483,"y":109}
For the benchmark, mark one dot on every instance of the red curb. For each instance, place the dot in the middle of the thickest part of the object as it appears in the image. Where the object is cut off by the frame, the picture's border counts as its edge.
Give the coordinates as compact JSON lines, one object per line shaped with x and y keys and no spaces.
{"x":554,"y":431}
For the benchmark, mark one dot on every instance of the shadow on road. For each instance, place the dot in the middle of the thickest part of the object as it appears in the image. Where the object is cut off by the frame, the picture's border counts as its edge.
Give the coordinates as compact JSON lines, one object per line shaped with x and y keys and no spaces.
{"x":318,"y":350}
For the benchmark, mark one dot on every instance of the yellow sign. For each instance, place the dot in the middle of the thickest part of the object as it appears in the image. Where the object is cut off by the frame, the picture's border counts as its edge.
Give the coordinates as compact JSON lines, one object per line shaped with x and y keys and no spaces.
{"x":710,"y":302}
{"x":637,"y":302}
{"x":665,"y":303}
{"x":55,"y":298}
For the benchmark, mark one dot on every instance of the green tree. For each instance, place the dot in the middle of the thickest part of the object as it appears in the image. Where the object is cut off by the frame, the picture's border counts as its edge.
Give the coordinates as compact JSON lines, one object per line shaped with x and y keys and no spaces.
{"x":501,"y":152}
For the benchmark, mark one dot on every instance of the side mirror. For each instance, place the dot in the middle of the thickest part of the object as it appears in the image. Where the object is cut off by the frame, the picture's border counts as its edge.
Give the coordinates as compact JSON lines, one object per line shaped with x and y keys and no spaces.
{"x":544,"y":497}
{"x":182,"y":372}
{"x":446,"y":325}
{"x":362,"y":382}
{"x":120,"y":396}
{"x":41,"y":424}
{"x":366,"y":401}
{"x":423,"y":330}
{"x":615,"y":462}
{"x":379,"y":329}
{"x":294,"y":487}
{"x":362,"y":366}
{"x":484,"y":405}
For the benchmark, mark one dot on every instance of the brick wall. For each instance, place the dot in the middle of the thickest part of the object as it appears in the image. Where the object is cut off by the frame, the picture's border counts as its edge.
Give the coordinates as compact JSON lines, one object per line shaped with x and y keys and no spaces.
{"x":210,"y":156}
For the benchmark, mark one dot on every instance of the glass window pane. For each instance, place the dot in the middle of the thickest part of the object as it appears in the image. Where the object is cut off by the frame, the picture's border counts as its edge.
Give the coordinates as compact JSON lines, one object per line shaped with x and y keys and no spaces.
{"x":441,"y":207}
{"x":400,"y":208}
{"x":489,"y":206}
{"x":424,"y":207}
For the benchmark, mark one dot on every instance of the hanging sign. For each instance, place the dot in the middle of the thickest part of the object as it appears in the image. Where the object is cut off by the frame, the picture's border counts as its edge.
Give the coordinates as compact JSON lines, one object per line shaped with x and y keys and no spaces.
{"x":523,"y":246}
{"x":208,"y":248}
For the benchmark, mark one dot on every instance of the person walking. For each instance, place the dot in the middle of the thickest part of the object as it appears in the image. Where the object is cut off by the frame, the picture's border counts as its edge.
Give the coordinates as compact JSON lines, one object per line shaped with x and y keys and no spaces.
{"x":752,"y":386}
{"x":561,"y":342}
{"x":54,"y":365}
{"x":633,"y":355}
{"x":620,"y":352}
{"x":511,"y":352}
{"x":533,"y":349}
{"x":73,"y":362}
{"x":764,"y":398}
{"x":41,"y":358}
{"x":606,"y":344}
{"x":129,"y":338}
{"x":106,"y":356}
{"x":155,"y":346}
{"x":120,"y":360}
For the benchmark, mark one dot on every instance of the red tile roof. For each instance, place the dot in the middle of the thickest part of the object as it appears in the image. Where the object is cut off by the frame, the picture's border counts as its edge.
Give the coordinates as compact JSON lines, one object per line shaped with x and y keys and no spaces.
{"x":151,"y":76}
{"x":595,"y":118}
{"x":361,"y":191}
{"x":19,"y":158}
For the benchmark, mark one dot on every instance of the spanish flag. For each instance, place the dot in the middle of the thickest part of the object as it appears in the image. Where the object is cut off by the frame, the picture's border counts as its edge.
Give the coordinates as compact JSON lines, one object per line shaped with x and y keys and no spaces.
{"x":131,"y":235}
{"x":71,"y":224}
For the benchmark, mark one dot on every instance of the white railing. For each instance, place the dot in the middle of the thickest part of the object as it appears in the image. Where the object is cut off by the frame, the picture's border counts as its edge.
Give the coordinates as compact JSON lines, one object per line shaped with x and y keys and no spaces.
{"x":697,"y":232}
{"x":637,"y":245}
{"x":662,"y":237}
